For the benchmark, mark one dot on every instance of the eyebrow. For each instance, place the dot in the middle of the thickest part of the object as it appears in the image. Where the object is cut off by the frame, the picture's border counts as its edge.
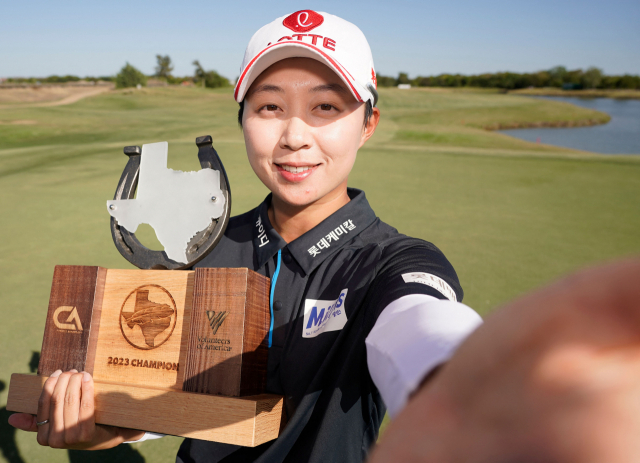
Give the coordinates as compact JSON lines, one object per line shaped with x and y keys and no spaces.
{"x":267,"y":88}
{"x":329,"y":88}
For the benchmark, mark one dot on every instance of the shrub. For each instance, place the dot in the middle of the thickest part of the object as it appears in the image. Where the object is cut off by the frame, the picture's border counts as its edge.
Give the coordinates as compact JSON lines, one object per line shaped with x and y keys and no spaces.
{"x":385,"y":81}
{"x":129,"y":76}
{"x":172,"y":80}
{"x":213,"y":80}
{"x":61,"y":79}
{"x":209,"y":79}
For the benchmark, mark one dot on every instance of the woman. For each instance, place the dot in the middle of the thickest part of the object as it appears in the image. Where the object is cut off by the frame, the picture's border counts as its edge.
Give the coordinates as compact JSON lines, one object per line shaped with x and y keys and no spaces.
{"x":361,"y":313}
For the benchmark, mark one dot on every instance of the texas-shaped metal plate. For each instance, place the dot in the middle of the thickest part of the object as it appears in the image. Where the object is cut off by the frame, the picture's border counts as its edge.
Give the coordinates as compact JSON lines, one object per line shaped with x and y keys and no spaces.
{"x":189,"y":211}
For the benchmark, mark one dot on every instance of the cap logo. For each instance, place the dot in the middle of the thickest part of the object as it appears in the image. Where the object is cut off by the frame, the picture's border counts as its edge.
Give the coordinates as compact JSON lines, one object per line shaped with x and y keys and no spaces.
{"x":303,"y":21}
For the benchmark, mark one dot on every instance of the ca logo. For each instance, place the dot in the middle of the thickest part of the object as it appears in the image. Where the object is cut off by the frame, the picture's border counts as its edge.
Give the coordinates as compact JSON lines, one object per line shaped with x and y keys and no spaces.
{"x":216,"y":320}
{"x":73,"y":317}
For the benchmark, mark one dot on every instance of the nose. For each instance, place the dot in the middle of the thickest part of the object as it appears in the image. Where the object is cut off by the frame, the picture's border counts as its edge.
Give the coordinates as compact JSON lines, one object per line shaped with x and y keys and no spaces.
{"x":296,"y":135}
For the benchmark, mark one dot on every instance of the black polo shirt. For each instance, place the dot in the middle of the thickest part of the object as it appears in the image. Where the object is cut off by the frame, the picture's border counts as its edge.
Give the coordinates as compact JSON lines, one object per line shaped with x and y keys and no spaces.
{"x":328,"y":288}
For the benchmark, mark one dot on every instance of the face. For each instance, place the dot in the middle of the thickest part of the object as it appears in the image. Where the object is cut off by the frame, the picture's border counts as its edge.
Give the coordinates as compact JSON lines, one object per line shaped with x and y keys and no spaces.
{"x":302,"y":130}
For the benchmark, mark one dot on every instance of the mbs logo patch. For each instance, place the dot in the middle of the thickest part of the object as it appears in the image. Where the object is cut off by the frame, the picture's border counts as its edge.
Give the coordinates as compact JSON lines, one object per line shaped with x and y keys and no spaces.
{"x":321,"y":316}
{"x":148,"y":317}
{"x":303,"y":21}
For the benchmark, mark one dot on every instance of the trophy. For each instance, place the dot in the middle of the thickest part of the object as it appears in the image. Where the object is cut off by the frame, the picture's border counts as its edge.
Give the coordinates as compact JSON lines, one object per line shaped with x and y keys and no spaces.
{"x":171,"y":350}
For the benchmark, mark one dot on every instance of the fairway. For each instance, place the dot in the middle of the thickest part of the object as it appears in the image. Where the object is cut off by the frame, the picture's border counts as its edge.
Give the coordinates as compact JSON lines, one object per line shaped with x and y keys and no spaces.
{"x":510,"y":215}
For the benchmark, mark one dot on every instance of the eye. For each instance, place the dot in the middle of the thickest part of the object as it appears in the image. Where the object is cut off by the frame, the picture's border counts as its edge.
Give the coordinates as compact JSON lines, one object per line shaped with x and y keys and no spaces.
{"x":271,"y":107}
{"x":326,"y":107}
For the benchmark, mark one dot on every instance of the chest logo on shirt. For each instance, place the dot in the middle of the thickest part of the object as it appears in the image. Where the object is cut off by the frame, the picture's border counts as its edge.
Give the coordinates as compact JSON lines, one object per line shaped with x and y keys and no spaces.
{"x":334,"y":235}
{"x":321,"y":316}
{"x":262,"y":233}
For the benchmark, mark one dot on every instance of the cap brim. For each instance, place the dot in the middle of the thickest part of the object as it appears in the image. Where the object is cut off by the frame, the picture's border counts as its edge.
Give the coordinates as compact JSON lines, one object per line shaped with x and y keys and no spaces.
{"x":283,"y":50}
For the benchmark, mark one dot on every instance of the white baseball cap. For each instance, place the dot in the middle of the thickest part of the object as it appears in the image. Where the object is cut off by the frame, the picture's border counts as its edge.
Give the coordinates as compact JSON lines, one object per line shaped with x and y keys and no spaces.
{"x":317,"y":35}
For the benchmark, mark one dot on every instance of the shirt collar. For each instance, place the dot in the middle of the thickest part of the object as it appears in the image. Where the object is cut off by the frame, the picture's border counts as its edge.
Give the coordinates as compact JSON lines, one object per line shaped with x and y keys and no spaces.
{"x":266,"y":240}
{"x":326,"y":238}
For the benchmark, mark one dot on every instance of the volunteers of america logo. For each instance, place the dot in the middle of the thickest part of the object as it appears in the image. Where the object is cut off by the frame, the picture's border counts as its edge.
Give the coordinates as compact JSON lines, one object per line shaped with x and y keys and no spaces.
{"x":72,"y":323}
{"x":215,"y":321}
{"x":322,"y":316}
{"x":148,"y":317}
{"x":303,"y":21}
{"x":325,"y":243}
{"x":433,"y":281}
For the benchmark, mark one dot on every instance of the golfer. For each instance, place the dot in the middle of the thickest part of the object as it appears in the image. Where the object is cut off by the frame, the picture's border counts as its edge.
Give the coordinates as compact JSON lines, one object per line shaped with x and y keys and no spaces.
{"x":361,"y":314}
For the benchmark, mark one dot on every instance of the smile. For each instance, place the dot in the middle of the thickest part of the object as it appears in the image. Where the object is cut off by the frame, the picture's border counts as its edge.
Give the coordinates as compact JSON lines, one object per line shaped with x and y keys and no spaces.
{"x":293,"y":169}
{"x":295,"y":173}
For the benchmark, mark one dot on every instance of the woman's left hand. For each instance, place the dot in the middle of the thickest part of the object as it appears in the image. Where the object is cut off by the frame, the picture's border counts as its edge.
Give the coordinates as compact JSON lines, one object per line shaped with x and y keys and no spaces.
{"x":66,"y":416}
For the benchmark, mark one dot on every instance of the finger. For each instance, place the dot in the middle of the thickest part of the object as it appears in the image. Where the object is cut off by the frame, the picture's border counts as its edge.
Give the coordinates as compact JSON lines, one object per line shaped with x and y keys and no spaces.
{"x":71,"y":409}
{"x":56,"y":414}
{"x":23,"y":421}
{"x":86,"y":415}
{"x":44,"y":407}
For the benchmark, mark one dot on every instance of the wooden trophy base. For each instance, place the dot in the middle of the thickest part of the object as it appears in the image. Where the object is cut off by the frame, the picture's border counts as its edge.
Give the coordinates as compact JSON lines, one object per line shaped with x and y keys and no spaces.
{"x":171,"y":351}
{"x":246,"y":421}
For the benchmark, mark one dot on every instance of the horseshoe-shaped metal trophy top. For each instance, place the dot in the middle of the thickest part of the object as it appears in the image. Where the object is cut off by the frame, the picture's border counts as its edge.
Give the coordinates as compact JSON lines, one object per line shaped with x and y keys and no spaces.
{"x":200,"y":245}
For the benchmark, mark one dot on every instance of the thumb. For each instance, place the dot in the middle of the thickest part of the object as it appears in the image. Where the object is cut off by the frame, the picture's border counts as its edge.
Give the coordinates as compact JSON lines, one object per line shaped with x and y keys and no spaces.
{"x":23,"y":421}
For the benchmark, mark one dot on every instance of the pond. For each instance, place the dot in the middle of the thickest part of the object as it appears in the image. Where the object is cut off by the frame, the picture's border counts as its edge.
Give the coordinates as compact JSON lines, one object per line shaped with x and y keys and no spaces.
{"x":620,"y":136}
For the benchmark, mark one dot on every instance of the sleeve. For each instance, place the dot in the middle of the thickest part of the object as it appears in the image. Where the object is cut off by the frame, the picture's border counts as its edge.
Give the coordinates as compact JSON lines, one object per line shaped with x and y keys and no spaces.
{"x":410,"y":266}
{"x":147,"y":436}
{"x":412,"y":336}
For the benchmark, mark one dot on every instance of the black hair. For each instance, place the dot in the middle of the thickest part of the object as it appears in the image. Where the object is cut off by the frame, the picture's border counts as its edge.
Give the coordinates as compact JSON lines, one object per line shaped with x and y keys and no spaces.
{"x":368,"y":112}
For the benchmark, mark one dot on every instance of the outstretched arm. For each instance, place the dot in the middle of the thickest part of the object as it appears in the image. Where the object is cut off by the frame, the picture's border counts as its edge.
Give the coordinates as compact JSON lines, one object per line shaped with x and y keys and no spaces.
{"x":412,"y":337}
{"x":553,"y":376}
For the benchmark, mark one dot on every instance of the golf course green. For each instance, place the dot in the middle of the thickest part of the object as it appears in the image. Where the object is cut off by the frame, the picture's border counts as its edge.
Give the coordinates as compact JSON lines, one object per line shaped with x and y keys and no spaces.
{"x":510,"y":215}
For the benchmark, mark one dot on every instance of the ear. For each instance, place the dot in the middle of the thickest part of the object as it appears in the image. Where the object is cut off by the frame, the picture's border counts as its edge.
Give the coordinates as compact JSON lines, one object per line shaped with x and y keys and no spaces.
{"x":370,"y":128}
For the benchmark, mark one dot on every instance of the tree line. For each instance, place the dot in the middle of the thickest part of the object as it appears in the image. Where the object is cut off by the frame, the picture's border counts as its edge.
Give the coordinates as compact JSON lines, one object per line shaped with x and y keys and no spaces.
{"x":55,"y":79}
{"x":559,"y":76}
{"x":130,"y":76}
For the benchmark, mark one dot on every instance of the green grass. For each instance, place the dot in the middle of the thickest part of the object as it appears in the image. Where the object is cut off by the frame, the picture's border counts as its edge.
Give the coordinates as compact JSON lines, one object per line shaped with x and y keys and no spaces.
{"x":510,"y":215}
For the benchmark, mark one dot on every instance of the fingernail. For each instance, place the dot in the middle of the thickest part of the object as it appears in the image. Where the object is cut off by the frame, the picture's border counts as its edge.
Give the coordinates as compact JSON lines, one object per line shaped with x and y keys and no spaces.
{"x":56,"y":373}
{"x":73,"y":370}
{"x":86,"y":377}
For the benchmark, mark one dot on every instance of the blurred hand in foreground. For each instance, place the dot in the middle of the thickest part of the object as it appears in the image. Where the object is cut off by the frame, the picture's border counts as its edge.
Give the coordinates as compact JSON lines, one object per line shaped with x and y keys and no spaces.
{"x":67,"y":402}
{"x":551,"y":377}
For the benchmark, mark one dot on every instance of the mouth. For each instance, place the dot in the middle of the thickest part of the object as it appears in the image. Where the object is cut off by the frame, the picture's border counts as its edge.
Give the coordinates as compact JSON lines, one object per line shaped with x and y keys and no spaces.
{"x":296,"y":173}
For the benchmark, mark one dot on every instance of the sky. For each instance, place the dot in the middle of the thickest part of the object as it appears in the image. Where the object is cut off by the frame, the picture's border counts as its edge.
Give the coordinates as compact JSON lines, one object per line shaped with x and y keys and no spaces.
{"x":41,"y":38}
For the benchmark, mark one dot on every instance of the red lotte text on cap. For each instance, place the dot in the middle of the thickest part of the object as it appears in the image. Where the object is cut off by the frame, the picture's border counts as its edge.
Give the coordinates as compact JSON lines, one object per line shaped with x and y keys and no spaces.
{"x":317,"y":35}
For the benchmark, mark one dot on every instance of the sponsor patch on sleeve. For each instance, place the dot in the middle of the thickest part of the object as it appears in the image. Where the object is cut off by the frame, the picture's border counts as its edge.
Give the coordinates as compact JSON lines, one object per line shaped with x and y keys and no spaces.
{"x":321,"y":316}
{"x":435,"y":282}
